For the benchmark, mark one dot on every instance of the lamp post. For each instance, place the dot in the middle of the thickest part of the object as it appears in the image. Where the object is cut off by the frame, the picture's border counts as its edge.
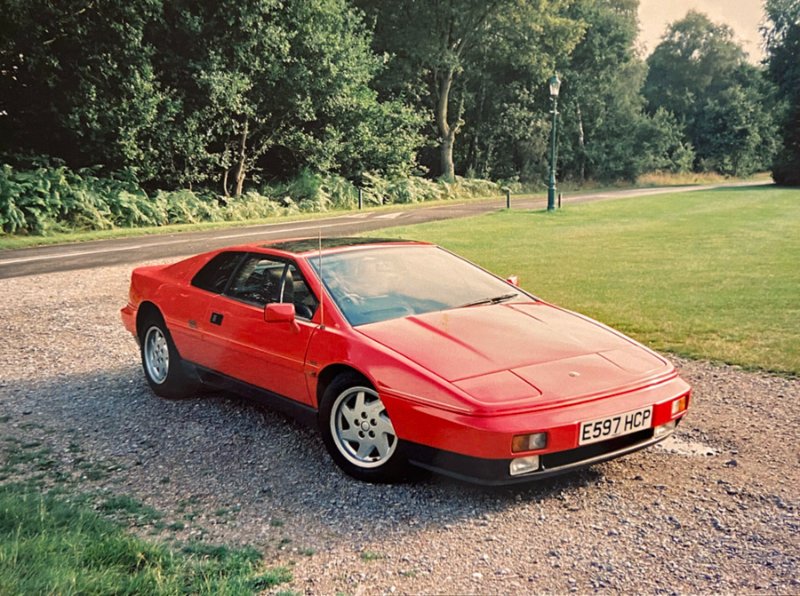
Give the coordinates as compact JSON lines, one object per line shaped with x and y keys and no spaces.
{"x":555,"y":85}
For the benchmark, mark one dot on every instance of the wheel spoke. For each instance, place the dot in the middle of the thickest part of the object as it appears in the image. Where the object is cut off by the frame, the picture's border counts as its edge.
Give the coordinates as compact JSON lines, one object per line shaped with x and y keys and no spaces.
{"x":348,"y":411}
{"x":365,"y":449}
{"x":374,"y":408}
{"x":350,"y":434}
{"x":384,"y":425}
{"x":382,"y":445}
{"x":359,"y":405}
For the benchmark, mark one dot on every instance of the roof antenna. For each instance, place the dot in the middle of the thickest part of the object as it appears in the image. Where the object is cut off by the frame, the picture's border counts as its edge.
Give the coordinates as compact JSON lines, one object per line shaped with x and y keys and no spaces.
{"x":321,"y":283}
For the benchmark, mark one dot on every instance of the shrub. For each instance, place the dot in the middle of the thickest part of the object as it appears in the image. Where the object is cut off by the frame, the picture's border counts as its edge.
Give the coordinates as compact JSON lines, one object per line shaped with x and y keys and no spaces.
{"x":343,"y":193}
{"x":53,"y":198}
{"x":376,"y":188}
{"x":250,"y":205}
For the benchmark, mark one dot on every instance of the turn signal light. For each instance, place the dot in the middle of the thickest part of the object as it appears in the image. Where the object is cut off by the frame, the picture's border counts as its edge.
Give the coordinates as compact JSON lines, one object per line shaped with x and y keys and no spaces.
{"x":529,"y":442}
{"x":679,"y":405}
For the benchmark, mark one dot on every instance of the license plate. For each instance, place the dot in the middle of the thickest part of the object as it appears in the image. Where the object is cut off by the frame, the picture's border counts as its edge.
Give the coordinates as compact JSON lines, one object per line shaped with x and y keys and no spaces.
{"x":615,"y":426}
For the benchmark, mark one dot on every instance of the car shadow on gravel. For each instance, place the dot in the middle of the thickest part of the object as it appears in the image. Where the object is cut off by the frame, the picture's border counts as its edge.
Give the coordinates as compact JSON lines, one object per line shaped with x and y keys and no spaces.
{"x":218,"y":450}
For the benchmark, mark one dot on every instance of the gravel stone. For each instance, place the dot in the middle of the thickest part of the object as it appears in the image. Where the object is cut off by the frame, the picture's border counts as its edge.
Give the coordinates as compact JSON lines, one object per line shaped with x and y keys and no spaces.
{"x":714,"y":510}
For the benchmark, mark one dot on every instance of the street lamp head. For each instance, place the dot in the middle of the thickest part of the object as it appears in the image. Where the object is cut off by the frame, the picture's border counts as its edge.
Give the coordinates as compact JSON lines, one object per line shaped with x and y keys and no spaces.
{"x":555,"y":85}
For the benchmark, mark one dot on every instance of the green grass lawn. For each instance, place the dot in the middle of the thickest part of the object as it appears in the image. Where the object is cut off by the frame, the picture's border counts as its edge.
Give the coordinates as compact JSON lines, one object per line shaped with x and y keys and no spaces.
{"x":53,"y":545}
{"x":711,"y":274}
{"x":63,"y":540}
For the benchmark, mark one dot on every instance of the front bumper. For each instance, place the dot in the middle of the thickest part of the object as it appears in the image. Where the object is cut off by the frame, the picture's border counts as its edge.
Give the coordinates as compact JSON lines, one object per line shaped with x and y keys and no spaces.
{"x":478,"y":448}
{"x":495,"y":472}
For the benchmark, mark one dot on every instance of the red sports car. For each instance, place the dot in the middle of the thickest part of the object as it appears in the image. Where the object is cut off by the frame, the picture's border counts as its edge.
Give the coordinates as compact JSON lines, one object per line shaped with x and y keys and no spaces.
{"x":403,"y":353}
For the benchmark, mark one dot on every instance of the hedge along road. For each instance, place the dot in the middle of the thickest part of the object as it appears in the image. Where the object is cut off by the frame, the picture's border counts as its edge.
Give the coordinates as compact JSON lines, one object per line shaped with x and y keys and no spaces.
{"x":87,"y":255}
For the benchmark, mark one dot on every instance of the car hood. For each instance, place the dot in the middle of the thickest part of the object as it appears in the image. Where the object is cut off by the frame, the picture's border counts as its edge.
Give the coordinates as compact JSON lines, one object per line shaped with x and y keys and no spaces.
{"x":508,"y":353}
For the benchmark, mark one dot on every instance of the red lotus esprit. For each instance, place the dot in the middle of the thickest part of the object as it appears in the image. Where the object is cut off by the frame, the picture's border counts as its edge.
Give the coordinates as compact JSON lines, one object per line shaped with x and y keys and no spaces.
{"x":403,"y":353}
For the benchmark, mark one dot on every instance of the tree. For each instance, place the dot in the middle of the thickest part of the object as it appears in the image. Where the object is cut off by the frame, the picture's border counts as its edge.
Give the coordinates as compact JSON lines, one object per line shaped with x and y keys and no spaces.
{"x":276,"y":87}
{"x":199,"y":92}
{"x":735,"y":135}
{"x":700,"y":74}
{"x":604,"y":132}
{"x":782,"y":35}
{"x":695,"y":59}
{"x":602,"y":90}
{"x":659,"y":144}
{"x":436,"y":46}
{"x":76,"y":82}
{"x":505,"y":101}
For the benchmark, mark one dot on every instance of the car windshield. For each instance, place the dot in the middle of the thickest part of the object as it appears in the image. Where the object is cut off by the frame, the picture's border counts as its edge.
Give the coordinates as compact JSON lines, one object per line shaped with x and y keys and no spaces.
{"x":384,"y":283}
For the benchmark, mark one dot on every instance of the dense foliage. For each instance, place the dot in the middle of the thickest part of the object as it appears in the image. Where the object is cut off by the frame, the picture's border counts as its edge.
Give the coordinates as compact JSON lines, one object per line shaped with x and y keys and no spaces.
{"x":478,"y":70}
{"x":56,"y":199}
{"x":445,"y":56}
{"x":189,"y":93}
{"x":699,"y":73}
{"x":231,"y":100}
{"x":783,"y":45}
{"x":606,"y":133}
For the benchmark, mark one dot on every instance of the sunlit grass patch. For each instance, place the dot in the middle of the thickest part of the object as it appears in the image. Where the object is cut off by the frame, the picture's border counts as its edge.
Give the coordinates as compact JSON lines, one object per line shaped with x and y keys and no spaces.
{"x":680,"y":178}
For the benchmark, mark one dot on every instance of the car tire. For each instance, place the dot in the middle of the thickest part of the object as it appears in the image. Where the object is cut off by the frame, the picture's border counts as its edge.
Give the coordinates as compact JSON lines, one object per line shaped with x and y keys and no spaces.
{"x":357,"y":431}
{"x":163,"y":367}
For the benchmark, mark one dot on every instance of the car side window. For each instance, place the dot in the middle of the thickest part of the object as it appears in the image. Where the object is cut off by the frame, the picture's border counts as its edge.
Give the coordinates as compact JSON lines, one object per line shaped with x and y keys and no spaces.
{"x":296,"y":291}
{"x":214,"y":275}
{"x":262,"y":280}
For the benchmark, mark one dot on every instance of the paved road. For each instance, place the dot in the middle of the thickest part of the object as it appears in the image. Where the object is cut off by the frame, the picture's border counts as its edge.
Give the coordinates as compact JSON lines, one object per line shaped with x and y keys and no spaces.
{"x":66,"y":257}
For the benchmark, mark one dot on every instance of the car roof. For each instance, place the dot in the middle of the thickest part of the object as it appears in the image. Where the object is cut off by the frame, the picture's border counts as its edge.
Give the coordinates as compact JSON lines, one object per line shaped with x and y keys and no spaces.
{"x":312,"y":245}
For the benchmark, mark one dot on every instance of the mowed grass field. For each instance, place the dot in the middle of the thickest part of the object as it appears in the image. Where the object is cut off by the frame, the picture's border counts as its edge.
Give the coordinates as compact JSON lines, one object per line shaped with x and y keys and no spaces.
{"x":710,"y":274}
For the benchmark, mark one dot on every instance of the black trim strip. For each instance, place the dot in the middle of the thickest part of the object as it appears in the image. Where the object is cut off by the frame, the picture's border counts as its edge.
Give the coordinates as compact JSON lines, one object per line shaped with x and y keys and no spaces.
{"x":303,"y":413}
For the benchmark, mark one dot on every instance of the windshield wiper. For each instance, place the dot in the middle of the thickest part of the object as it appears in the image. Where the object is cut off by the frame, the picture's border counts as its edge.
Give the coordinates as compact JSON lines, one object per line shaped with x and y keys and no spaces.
{"x":495,"y":300}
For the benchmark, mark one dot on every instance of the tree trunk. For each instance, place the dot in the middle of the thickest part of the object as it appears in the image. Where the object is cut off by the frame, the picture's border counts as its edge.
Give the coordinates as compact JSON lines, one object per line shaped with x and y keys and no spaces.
{"x":225,"y":182}
{"x":447,"y":133}
{"x":446,"y":157}
{"x":240,"y":170}
{"x":581,"y":144}
{"x":476,"y":164}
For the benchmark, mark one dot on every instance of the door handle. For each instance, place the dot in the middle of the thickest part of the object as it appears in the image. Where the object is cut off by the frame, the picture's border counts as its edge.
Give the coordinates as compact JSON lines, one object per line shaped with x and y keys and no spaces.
{"x":216,"y":318}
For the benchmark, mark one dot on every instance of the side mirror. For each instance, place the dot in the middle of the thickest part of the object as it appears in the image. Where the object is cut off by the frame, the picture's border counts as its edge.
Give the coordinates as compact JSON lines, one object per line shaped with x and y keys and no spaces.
{"x":279,"y":312}
{"x":513,"y":280}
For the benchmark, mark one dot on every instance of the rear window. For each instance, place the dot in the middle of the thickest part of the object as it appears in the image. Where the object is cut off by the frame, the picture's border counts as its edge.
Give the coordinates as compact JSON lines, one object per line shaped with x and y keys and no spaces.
{"x":214,"y":276}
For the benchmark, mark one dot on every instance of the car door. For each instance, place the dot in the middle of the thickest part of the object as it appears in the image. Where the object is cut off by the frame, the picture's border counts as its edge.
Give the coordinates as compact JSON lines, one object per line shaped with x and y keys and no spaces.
{"x":187,"y":307}
{"x":244,"y":346}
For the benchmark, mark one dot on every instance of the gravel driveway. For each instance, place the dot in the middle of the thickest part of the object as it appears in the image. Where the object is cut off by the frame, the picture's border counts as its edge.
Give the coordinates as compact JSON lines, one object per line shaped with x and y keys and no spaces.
{"x":715,"y":510}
